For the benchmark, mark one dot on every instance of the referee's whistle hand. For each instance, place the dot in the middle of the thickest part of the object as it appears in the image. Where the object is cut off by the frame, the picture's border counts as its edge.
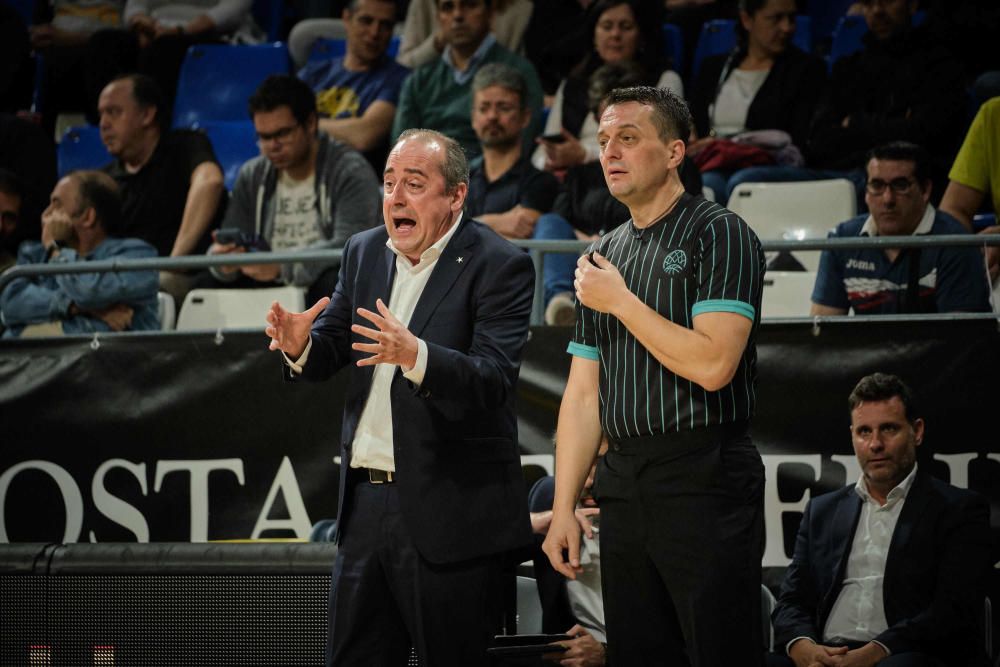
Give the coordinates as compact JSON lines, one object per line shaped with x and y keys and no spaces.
{"x":562,"y":545}
{"x":598,"y":283}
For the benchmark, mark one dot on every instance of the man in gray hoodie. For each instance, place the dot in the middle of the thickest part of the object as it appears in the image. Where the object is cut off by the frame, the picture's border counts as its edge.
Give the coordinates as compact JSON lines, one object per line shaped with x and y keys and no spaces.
{"x":305,"y":191}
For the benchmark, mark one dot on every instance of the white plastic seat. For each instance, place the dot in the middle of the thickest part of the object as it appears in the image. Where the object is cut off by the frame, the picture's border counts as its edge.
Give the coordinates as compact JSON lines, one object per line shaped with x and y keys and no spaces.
{"x":802,"y":210}
{"x":529,"y":607}
{"x":235,"y":308}
{"x":787,"y":293}
{"x":167,"y":309}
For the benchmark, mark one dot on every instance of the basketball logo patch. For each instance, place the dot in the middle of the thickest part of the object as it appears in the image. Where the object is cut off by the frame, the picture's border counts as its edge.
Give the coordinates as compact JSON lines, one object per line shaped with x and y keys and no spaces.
{"x":675,"y":262}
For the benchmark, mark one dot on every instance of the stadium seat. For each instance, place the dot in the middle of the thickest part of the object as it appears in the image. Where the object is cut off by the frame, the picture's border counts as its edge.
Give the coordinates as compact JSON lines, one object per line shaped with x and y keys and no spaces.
{"x":235,"y":308}
{"x":802,"y":210}
{"x":849,"y":34}
{"x":168,"y":311}
{"x":529,"y":607}
{"x":216,"y":80}
{"x":330,"y":48}
{"x":304,"y":33}
{"x":787,"y":293}
{"x":234,"y":143}
{"x":825,"y":14}
{"x":847,"y":38}
{"x":803,"y":33}
{"x":673,"y":46}
{"x":81,"y":148}
{"x":270,"y":16}
{"x":719,"y":36}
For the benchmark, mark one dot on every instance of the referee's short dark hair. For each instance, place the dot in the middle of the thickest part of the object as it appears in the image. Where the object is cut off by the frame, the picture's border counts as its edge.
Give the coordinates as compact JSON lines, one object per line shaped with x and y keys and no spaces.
{"x":882,"y":387}
{"x":280,"y":90}
{"x":904,"y":151}
{"x":670,"y":113}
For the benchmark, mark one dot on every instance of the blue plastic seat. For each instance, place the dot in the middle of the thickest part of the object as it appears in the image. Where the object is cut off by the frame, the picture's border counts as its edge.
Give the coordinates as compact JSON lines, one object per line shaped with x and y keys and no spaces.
{"x":717,"y":36}
{"x":847,"y":37}
{"x":328,"y":48}
{"x":234,"y":143}
{"x":673,"y":46}
{"x":81,"y":148}
{"x":216,"y":80}
{"x":803,"y":37}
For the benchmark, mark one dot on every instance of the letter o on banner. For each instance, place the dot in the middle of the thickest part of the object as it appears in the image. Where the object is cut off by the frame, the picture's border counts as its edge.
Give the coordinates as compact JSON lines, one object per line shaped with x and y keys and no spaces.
{"x":67,"y":487}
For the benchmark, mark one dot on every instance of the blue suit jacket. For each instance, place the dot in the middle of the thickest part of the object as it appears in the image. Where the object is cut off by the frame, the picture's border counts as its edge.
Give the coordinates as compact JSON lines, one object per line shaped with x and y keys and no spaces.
{"x":455,"y":436}
{"x":935,"y":575}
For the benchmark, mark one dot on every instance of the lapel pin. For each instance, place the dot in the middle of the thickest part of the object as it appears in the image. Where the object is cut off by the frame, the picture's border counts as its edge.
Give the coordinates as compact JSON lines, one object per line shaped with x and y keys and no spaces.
{"x":459,"y":260}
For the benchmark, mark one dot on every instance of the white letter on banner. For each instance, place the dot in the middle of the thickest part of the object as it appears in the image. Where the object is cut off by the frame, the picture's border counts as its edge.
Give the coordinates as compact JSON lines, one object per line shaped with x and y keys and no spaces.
{"x":199,"y":487}
{"x":958,"y":467}
{"x":298,"y":521}
{"x":67,"y":487}
{"x":774,"y":508}
{"x":115,"y":508}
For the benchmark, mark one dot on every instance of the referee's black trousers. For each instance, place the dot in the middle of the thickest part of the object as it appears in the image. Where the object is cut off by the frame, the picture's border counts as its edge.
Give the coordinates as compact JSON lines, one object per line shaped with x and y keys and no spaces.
{"x":682,"y":536}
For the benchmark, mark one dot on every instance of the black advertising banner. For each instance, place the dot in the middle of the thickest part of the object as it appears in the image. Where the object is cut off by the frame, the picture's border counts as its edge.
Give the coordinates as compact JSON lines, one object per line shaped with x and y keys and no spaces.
{"x":194,"y":437}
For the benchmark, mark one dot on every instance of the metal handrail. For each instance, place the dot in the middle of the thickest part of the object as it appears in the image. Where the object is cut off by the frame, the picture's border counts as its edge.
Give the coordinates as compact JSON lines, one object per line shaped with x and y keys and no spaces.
{"x":537,"y":248}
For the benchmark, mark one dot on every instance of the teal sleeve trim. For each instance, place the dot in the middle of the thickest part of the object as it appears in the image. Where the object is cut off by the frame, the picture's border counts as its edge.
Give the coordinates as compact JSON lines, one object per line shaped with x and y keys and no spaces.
{"x":724,"y":306}
{"x":585,"y":351}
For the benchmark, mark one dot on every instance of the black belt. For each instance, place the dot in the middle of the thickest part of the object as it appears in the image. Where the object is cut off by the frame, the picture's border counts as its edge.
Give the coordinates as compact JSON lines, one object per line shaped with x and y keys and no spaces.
{"x":380,"y":476}
{"x":680,"y":441}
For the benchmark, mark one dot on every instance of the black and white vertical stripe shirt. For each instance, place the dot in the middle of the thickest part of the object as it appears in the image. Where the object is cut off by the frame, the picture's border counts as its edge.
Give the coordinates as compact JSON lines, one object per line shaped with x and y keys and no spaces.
{"x":699,"y":258}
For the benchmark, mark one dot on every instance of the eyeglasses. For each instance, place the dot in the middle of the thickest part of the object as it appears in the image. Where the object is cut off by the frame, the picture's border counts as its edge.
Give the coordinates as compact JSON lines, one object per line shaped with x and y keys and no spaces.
{"x":279,"y":136}
{"x":897,"y":185}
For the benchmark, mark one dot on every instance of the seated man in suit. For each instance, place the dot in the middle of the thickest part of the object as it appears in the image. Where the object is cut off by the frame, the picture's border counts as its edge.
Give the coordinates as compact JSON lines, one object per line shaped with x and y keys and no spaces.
{"x":891,"y":570}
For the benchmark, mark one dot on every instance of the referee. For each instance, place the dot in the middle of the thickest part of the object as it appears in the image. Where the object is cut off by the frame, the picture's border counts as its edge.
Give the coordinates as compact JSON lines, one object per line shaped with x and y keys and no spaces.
{"x":664,"y":363}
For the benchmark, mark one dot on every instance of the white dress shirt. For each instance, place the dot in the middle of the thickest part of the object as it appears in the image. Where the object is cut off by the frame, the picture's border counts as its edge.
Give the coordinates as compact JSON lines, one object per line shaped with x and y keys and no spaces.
{"x":372,"y":446}
{"x":858,"y":614}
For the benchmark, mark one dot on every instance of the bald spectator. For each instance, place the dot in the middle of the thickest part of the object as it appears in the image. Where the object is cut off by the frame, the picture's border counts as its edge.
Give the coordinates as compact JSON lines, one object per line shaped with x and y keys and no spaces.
{"x":171,"y":184}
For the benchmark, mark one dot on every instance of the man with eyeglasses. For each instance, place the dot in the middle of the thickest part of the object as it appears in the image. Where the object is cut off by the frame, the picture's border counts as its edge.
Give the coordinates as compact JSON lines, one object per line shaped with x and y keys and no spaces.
{"x":438,"y":95}
{"x":928,"y":279}
{"x":505,"y":191}
{"x":305,"y":191}
{"x":891,"y":570}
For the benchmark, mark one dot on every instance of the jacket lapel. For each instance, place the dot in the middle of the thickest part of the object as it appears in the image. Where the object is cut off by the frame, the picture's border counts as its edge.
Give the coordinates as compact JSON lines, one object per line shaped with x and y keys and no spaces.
{"x":845,"y":524}
{"x":457,"y":255}
{"x":914,"y":507}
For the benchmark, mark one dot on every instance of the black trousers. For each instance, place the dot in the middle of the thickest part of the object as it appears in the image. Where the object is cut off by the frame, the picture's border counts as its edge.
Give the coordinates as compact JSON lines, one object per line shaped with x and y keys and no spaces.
{"x":682,"y":536}
{"x":386,"y":598}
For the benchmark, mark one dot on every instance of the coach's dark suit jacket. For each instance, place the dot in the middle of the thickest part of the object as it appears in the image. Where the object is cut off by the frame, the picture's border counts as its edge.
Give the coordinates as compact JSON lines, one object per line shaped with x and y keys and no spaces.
{"x":454,"y":436}
{"x":935,"y":575}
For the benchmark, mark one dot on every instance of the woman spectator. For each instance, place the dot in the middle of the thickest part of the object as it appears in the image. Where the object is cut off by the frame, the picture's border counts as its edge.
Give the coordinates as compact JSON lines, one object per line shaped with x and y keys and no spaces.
{"x":623,"y":30}
{"x":766,"y":83}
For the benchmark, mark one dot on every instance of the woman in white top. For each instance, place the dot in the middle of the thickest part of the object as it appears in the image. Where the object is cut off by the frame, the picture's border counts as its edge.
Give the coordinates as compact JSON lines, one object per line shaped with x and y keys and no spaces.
{"x":623,"y":30}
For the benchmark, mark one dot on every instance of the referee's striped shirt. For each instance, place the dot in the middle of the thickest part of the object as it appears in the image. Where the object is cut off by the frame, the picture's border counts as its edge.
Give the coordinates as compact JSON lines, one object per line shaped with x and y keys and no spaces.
{"x":700,"y":258}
